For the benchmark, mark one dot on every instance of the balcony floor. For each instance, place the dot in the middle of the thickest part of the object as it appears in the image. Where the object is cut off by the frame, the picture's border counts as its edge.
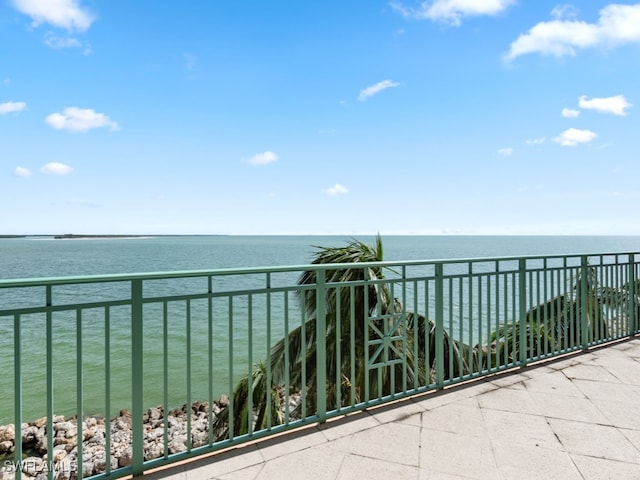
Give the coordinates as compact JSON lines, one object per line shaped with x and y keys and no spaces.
{"x":573,"y":418}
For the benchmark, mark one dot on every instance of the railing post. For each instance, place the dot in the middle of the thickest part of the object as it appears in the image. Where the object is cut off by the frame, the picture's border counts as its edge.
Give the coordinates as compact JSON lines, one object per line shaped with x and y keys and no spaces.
{"x":321,"y":344}
{"x":584,"y":314}
{"x":633,"y":308}
{"x":49,"y":355}
{"x":137,"y":357}
{"x":522,"y":308}
{"x":439,"y":325}
{"x":17,"y":396}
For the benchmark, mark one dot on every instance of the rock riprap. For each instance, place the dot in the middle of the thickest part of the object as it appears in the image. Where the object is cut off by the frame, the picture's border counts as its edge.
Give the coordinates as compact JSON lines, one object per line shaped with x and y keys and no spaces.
{"x":63,"y":460}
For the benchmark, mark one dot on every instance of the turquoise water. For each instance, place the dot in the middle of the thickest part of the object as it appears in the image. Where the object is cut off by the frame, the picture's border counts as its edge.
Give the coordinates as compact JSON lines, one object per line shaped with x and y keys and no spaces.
{"x":46,"y":257}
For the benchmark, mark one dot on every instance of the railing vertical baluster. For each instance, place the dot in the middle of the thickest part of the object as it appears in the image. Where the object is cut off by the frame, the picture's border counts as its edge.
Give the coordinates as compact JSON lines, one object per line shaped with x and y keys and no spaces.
{"x":461,"y":358}
{"x":615,"y":278}
{"x":481,"y":356}
{"x":352,"y":341}
{"x":599,"y":331}
{"x":321,"y":344}
{"x":287,"y":366}
{"x":79,"y":391}
{"x":210,"y":357}
{"x":470,"y":318}
{"x":416,"y":338}
{"x":405,"y":350}
{"x":584,"y":264}
{"x":633,"y":312}
{"x":450,"y":308}
{"x":303,"y":357}
{"x":250,"y":365}
{"x":439,"y":325}
{"x":165,"y":375}
{"x":188,"y":373}
{"x":365,"y":327}
{"x":107,"y":390}
{"x":522,"y":306}
{"x":505,"y":317}
{"x":230,"y":359}
{"x":17,"y":398}
{"x":49,"y":328}
{"x":427,"y":332}
{"x":338,"y":349}
{"x":388,"y":325}
{"x":268,"y":361}
{"x":515,"y":312}
{"x":137,"y":376}
{"x":497,"y":314}
{"x":572,"y":335}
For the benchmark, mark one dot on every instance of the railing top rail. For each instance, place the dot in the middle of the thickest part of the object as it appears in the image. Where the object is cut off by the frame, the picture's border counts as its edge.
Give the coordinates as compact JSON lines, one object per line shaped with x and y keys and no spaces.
{"x":79,"y":279}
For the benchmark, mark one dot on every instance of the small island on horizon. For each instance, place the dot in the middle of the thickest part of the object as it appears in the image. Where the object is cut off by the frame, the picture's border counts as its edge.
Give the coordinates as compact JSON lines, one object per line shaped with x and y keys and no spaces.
{"x":75,"y":236}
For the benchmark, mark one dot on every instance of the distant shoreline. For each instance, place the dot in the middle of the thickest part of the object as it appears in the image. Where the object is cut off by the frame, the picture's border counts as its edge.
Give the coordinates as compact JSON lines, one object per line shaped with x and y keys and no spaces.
{"x":74,"y":236}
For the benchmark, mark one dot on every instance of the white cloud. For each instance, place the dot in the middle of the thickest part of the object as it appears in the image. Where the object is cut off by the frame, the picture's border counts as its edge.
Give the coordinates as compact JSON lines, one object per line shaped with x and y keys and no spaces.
{"x":452,"y":11}
{"x":377,"y":88}
{"x":617,"y":25}
{"x":54,"y":168}
{"x":22,"y":172}
{"x":564,"y":11}
{"x":58,"y":43}
{"x":572,"y":137}
{"x":570,"y":113}
{"x":77,"y":119}
{"x":536,"y":141}
{"x":505,"y":152}
{"x":616,"y":105}
{"x":66,"y":14}
{"x":263,"y":158}
{"x":337,"y":189}
{"x":9,"y":107}
{"x":190,"y":61}
{"x":6,"y":81}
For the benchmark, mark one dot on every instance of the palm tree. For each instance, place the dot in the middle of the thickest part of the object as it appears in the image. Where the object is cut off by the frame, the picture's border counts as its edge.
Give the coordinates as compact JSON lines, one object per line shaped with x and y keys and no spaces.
{"x":358,"y":306}
{"x":623,"y":301}
{"x":552,"y":326}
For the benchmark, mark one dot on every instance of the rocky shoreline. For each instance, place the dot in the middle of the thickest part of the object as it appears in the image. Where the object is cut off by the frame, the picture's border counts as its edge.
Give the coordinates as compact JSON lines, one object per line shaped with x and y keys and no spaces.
{"x":63,"y":461}
{"x":64,"y":458}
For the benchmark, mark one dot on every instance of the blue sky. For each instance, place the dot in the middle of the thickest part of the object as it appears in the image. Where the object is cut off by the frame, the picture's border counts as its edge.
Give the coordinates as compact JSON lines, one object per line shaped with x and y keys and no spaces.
{"x":402,"y":117}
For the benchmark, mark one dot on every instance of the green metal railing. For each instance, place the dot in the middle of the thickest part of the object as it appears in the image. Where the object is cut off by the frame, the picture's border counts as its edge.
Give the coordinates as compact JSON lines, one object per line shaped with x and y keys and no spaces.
{"x":116,"y":353}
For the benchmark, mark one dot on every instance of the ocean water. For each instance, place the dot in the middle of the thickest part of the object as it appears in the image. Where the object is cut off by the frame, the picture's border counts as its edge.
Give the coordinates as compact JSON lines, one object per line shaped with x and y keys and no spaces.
{"x":47,"y":257}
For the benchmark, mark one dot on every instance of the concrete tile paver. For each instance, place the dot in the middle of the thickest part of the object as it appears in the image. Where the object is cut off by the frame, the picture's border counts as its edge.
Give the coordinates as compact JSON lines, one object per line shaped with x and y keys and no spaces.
{"x":590,"y":439}
{"x":568,"y":408}
{"x":392,"y":441}
{"x":225,"y":462}
{"x":457,"y":454}
{"x":510,"y":400}
{"x":533,"y":463}
{"x":455,"y":418}
{"x":553,"y":382}
{"x":319,"y":463}
{"x":575,"y":418}
{"x":349,"y":425}
{"x":593,"y":468}
{"x":531,"y":431}
{"x":357,"y":467}
{"x":293,"y":442}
